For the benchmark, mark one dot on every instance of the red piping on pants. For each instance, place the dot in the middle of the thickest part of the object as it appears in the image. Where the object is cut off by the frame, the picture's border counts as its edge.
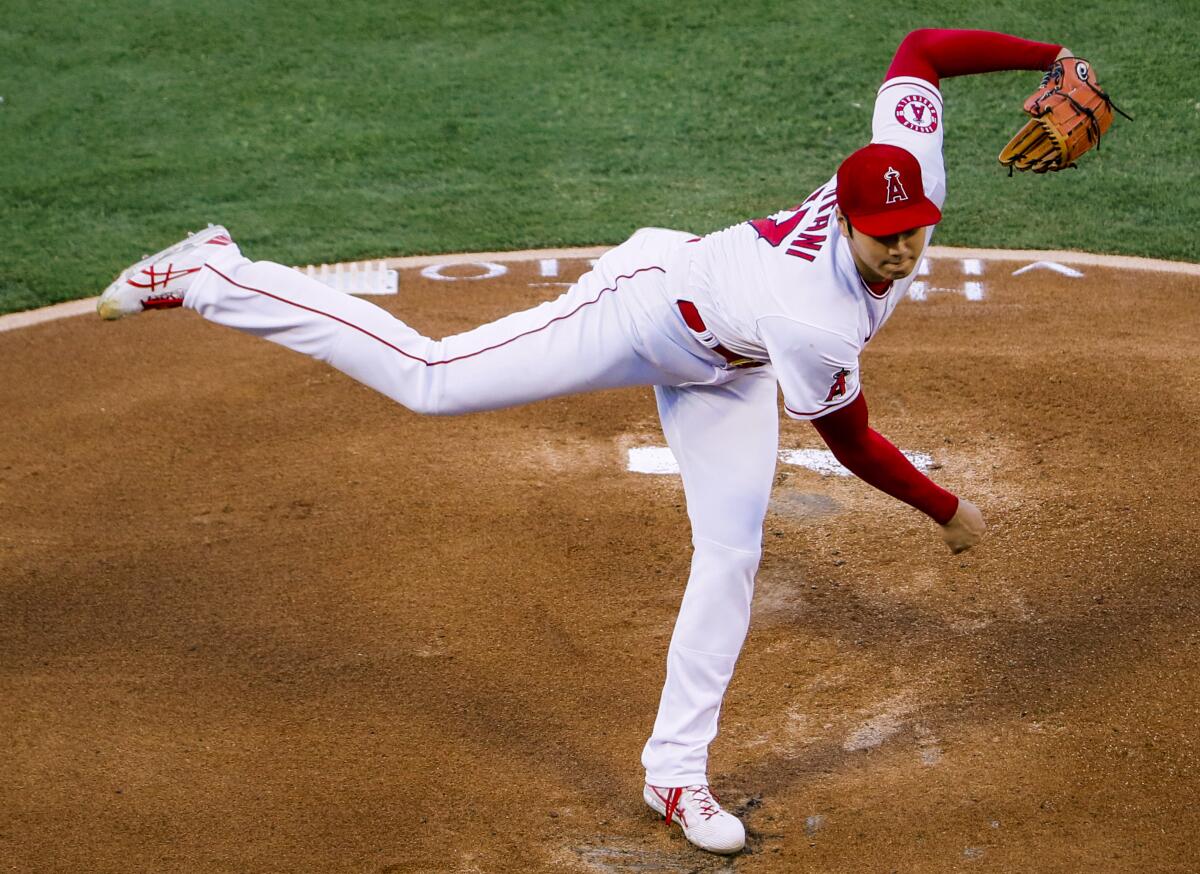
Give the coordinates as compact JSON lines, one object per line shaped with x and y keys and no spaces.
{"x":417,"y":358}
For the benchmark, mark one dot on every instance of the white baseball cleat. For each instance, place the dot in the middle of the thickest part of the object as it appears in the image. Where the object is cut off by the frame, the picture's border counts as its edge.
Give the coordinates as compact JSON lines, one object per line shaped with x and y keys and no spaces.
{"x":158,"y":282}
{"x":700,"y":816}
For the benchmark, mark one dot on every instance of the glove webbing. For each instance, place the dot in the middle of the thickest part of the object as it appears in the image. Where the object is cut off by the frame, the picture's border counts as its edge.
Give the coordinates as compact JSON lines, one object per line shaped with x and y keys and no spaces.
{"x":1093,"y":131}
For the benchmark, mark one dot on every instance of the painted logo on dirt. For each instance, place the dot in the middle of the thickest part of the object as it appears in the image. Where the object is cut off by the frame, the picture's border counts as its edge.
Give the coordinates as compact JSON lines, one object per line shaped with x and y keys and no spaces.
{"x":917,"y":113}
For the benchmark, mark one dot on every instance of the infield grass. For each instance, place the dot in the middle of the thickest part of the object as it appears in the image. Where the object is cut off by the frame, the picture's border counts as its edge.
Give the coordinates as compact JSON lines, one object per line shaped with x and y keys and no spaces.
{"x":323,"y":132}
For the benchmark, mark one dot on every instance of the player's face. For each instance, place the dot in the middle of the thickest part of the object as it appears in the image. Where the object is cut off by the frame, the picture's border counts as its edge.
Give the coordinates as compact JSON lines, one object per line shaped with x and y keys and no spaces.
{"x":880,"y":259}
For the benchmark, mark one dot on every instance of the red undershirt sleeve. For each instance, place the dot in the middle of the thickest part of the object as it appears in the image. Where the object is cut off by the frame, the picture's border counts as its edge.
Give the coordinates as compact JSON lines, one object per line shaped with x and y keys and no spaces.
{"x":932,"y":54}
{"x":874,"y":459}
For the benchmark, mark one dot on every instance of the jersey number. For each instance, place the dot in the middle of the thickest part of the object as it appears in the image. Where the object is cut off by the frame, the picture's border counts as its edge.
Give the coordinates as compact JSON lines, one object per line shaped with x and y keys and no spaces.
{"x":775,"y":232}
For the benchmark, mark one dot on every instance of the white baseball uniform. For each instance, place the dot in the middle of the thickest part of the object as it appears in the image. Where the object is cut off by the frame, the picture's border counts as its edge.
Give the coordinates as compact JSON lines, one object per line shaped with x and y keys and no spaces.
{"x":782,"y":290}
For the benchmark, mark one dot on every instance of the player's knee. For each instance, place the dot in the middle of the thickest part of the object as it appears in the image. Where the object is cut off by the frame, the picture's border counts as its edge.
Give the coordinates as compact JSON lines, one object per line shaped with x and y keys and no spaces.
{"x":424,"y":392}
{"x":428,"y":403}
{"x":421,"y":406}
{"x":734,"y":531}
{"x":740,"y":560}
{"x":435,"y":401}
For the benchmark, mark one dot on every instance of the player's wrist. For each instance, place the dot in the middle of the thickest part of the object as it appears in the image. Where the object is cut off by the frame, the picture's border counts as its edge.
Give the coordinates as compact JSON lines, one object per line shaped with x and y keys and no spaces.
{"x":951,"y":506}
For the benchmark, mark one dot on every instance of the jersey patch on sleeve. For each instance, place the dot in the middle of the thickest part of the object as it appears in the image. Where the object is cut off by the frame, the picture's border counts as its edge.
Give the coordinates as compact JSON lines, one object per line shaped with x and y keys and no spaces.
{"x":917,"y":113}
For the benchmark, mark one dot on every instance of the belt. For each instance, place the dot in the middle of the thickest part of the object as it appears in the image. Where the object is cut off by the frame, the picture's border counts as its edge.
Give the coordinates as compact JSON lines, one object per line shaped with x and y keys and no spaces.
{"x":691,"y":317}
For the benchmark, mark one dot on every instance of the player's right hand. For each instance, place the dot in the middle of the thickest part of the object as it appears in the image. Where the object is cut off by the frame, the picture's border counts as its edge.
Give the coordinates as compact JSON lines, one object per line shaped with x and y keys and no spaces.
{"x":965,"y":528}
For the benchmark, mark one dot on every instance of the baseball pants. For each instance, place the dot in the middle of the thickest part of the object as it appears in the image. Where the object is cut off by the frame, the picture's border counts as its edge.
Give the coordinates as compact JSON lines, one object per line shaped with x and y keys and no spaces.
{"x":617,"y":326}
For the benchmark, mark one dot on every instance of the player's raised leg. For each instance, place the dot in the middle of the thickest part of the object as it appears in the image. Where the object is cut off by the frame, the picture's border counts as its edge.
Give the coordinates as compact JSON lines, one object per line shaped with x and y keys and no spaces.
{"x":584,"y":340}
{"x":725,"y":439}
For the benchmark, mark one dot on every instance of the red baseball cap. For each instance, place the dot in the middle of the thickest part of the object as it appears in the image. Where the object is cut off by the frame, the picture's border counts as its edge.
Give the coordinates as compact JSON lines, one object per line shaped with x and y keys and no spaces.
{"x":879,"y":189}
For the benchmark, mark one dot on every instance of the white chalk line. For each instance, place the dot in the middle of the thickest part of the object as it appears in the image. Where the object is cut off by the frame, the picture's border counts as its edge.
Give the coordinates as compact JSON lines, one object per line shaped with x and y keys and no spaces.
{"x":14,"y":321}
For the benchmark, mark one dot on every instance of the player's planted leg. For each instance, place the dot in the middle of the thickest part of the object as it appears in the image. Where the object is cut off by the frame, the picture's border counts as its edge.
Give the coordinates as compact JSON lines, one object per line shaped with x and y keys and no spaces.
{"x":725,"y":439}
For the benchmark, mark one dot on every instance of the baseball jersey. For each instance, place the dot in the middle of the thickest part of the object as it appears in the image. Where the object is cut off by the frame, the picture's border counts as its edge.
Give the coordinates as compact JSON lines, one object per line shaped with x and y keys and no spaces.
{"x":785,"y":288}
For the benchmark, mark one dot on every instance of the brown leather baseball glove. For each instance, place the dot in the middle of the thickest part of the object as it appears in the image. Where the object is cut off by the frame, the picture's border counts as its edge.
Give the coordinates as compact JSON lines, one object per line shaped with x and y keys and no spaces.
{"x":1070,"y":113}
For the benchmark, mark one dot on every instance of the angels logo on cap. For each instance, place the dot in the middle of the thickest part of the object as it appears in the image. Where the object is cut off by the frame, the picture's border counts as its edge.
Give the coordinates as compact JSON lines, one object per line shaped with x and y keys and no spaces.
{"x":895,"y":188}
{"x":900,"y":204}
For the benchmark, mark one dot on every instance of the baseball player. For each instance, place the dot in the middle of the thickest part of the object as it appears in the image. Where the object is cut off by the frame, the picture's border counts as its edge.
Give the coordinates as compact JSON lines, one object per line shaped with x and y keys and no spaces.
{"x":715,"y":324}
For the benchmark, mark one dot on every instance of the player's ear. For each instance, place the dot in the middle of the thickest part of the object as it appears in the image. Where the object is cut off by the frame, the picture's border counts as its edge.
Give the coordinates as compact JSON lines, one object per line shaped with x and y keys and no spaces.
{"x":843,"y":222}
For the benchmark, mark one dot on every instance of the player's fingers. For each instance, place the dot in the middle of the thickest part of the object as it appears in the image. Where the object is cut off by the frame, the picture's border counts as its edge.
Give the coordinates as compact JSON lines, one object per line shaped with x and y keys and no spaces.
{"x":1043,"y":149}
{"x":1028,"y":137}
{"x":1032,"y":147}
{"x":1013,"y":154}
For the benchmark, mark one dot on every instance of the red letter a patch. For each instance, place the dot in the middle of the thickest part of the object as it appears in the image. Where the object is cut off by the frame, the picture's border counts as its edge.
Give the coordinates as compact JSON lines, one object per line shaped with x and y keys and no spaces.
{"x":838,"y":389}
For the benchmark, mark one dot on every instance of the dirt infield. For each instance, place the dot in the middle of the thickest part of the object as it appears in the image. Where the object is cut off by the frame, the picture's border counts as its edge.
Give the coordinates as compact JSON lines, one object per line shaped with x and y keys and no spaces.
{"x":254,"y":617}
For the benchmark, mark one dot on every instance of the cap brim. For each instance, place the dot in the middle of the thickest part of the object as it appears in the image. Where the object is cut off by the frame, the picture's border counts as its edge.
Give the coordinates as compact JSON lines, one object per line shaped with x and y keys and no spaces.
{"x":895,"y":221}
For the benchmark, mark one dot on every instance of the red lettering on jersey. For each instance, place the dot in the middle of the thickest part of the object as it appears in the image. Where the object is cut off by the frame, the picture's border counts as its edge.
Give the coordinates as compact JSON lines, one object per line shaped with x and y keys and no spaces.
{"x":776,"y":232}
{"x":806,"y":240}
{"x":838,"y":389}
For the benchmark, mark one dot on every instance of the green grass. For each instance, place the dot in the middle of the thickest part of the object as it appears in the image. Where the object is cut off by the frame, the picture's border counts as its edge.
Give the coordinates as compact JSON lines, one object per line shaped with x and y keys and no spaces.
{"x":321,"y":132}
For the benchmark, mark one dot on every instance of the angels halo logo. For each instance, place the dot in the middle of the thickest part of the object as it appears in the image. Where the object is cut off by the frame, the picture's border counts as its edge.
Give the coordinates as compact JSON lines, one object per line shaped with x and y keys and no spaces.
{"x":895,"y":188}
{"x":838,"y":389}
{"x":917,"y":113}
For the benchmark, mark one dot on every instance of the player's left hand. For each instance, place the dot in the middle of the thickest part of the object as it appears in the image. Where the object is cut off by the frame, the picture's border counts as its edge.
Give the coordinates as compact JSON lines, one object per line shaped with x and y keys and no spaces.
{"x":1070,"y":113}
{"x":965,"y":528}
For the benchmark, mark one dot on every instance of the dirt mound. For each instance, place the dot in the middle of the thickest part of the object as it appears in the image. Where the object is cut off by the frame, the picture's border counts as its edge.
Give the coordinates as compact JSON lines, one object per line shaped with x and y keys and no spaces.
{"x":254,"y":617}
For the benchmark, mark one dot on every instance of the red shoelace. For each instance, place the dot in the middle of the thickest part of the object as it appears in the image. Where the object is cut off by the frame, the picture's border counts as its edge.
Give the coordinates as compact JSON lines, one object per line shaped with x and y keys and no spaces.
{"x":706,"y":803}
{"x":159,"y":278}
